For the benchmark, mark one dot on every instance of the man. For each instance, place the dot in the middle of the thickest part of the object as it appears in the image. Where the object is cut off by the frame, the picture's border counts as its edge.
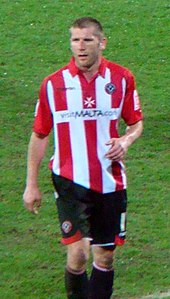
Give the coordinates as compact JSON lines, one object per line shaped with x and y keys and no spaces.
{"x":83,"y":103}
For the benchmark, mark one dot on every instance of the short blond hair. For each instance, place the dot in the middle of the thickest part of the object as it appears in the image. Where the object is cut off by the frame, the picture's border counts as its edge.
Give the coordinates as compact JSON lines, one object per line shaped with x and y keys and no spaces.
{"x":86,"y":22}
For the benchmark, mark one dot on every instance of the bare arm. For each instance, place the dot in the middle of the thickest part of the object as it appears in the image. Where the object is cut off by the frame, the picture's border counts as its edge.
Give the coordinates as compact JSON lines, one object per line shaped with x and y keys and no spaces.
{"x":119,"y":146}
{"x":36,"y":152}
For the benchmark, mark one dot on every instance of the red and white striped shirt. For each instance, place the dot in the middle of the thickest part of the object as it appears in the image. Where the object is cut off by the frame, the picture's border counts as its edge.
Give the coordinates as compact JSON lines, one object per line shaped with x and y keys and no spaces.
{"x":84,"y":116}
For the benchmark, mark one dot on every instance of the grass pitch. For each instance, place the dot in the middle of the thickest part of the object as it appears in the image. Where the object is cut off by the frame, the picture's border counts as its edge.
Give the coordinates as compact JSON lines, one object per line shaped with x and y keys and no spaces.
{"x":34,"y":42}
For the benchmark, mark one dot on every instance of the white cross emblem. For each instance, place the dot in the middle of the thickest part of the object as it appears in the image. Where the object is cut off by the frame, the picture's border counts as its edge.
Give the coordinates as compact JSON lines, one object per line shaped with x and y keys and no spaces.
{"x":89,"y":102}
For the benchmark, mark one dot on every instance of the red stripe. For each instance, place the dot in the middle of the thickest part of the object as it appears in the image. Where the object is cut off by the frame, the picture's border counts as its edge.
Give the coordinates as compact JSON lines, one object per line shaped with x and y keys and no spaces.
{"x":116,"y":101}
{"x":78,"y":236}
{"x":113,"y":129}
{"x":43,"y":121}
{"x":116,"y":167}
{"x":65,"y":154}
{"x":117,"y":94}
{"x":95,"y":173}
{"x":59,"y":92}
{"x":116,"y":172}
{"x":94,"y":164}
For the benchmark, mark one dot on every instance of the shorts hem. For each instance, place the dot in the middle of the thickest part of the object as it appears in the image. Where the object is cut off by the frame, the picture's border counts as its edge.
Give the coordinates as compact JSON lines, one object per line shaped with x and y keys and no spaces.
{"x":118,"y":242}
{"x":69,"y":240}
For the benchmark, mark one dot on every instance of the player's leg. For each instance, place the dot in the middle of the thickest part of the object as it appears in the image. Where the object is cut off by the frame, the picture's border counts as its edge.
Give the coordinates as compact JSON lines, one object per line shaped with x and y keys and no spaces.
{"x":102,"y":276}
{"x":76,"y":280}
{"x":75,"y":228}
{"x":107,"y":230}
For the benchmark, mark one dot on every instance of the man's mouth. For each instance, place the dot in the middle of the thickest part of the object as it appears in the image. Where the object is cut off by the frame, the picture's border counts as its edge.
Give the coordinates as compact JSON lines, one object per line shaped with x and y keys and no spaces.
{"x":82,"y":55}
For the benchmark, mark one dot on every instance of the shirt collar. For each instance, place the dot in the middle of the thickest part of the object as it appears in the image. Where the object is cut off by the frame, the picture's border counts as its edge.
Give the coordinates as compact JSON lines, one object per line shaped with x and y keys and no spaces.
{"x":74,"y":70}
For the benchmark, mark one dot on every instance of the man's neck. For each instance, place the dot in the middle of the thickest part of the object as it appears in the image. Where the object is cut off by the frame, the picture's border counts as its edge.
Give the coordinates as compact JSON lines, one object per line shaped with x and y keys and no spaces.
{"x":89,"y":73}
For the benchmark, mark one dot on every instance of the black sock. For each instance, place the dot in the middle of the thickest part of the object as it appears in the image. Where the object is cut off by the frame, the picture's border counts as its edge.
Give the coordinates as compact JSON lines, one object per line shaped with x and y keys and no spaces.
{"x":76,"y":285}
{"x":101,"y":284}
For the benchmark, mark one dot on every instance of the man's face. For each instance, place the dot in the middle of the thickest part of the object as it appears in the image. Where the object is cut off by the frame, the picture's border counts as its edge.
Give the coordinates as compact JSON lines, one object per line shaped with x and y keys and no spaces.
{"x":86,"y":47}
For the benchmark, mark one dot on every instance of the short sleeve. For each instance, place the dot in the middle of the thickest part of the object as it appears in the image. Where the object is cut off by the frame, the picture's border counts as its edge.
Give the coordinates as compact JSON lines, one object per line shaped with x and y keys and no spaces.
{"x":131,"y":111}
{"x":43,"y":121}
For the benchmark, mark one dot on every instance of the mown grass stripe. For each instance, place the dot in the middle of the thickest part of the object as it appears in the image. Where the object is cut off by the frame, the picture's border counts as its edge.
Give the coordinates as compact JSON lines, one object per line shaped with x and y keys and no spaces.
{"x":158,"y":296}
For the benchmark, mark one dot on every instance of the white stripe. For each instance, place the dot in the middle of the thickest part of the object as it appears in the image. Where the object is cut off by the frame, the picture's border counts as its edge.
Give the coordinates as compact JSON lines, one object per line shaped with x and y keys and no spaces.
{"x":50,"y":93}
{"x":103,"y":135}
{"x":123,"y":173}
{"x":103,"y":245}
{"x":122,"y":222}
{"x":101,"y":269}
{"x":122,"y":234}
{"x":51,"y":100}
{"x":78,"y":140}
{"x":123,"y":93}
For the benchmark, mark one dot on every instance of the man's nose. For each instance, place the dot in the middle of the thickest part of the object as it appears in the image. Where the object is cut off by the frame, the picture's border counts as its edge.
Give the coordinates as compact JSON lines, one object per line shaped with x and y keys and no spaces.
{"x":81,"y":45}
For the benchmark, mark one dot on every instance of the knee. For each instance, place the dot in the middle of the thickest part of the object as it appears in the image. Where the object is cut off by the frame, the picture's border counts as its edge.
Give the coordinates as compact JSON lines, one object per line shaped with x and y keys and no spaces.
{"x":77,"y":257}
{"x":104,"y":259}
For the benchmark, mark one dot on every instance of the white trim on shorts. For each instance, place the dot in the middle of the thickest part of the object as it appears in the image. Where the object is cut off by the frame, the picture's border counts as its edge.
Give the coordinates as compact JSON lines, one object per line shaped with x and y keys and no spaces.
{"x":104,"y":245}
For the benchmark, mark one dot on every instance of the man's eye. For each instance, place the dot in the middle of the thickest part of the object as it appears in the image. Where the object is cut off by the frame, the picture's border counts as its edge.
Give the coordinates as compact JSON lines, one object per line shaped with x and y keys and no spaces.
{"x":85,"y":40}
{"x":75,"y":39}
{"x":88,"y":39}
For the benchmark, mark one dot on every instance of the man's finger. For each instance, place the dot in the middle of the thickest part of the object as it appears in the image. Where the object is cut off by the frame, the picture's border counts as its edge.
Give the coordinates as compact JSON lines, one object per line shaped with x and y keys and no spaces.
{"x":35,"y":211}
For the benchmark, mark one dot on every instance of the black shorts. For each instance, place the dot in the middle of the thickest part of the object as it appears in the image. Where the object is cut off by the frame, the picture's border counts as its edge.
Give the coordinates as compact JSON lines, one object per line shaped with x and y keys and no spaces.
{"x":84,"y":213}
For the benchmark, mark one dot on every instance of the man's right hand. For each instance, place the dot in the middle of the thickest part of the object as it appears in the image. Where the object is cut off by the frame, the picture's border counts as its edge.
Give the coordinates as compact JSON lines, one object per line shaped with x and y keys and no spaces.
{"x":32,"y":199}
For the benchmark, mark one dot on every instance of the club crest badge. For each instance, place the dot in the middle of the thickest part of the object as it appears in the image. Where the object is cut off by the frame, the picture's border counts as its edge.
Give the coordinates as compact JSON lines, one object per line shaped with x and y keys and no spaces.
{"x":110,"y":88}
{"x":66,"y":226}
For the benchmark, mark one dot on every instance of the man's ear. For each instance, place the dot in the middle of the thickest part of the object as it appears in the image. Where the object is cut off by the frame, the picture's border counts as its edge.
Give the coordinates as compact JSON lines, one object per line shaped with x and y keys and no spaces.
{"x":103,"y":44}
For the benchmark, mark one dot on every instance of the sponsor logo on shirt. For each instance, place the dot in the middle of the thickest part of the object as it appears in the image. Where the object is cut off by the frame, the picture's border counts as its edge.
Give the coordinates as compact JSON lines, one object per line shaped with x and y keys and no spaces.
{"x":87,"y":114}
{"x":65,"y":88}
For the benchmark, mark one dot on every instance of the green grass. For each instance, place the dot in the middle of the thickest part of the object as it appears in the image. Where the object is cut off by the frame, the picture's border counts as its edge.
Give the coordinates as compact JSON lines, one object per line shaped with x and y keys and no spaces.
{"x":34,"y":43}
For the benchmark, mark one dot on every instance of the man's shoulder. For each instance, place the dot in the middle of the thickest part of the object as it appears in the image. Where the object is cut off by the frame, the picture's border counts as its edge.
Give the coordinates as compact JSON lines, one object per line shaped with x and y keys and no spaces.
{"x":56,"y":73}
{"x":118,"y":68}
